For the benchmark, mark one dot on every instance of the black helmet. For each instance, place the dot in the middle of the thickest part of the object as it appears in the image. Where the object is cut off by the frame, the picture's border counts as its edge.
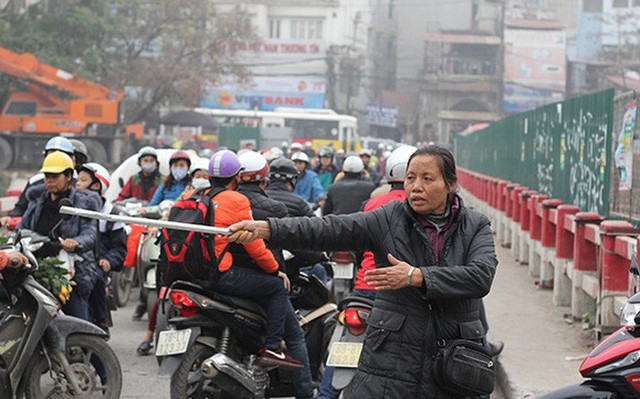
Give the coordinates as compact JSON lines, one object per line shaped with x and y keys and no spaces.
{"x":283,"y":169}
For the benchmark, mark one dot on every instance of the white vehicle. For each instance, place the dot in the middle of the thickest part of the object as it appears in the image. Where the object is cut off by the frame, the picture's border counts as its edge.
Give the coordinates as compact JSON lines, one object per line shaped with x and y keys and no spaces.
{"x":130,"y":167}
{"x":321,"y":127}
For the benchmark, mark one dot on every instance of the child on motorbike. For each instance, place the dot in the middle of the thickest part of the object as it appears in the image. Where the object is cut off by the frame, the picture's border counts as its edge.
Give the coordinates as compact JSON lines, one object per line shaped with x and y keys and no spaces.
{"x":111,"y":247}
{"x":199,"y":178}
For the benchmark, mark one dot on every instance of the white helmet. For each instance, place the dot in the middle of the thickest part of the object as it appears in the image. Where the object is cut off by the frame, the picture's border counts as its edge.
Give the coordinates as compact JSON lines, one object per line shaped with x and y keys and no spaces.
{"x":296,"y":146}
{"x":255,"y":167}
{"x":199,"y":163}
{"x":100,"y":173}
{"x":300,"y":156}
{"x":353,"y":164}
{"x":396,"y":165}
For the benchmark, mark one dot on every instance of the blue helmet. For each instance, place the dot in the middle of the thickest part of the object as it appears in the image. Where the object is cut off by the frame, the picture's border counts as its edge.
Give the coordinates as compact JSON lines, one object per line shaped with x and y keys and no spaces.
{"x":59,"y":143}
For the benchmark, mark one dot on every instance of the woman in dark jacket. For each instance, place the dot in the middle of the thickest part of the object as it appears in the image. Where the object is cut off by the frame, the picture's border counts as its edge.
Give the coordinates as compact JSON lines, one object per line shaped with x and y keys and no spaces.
{"x":77,"y":235}
{"x":434,"y":257}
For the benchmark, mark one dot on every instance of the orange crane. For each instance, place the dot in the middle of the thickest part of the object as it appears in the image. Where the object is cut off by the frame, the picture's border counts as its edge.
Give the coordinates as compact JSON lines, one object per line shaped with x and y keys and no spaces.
{"x":54,"y":102}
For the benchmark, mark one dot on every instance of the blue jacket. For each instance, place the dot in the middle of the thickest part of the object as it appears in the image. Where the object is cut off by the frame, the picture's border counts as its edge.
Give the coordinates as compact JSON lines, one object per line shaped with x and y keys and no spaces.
{"x":308,"y":187}
{"x":82,"y":230}
{"x":172,"y":193}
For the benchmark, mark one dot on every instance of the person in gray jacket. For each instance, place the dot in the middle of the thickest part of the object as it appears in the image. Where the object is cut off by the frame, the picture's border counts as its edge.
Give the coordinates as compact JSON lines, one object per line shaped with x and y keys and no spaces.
{"x":434,"y":258}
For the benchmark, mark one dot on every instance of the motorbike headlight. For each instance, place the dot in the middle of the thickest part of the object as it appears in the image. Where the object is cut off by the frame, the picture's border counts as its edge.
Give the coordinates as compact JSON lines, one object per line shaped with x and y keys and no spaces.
{"x":626,"y":361}
{"x":628,"y":314}
{"x":35,"y":246}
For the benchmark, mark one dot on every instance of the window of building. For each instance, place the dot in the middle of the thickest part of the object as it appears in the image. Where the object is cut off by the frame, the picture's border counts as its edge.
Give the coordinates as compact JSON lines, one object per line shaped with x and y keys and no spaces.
{"x":592,"y":6}
{"x":620,"y":4}
{"x":306,"y":29}
{"x":274,"y":28}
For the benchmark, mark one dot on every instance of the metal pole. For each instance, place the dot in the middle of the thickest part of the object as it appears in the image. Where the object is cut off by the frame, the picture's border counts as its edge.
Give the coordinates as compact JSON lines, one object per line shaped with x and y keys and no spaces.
{"x":200,"y":228}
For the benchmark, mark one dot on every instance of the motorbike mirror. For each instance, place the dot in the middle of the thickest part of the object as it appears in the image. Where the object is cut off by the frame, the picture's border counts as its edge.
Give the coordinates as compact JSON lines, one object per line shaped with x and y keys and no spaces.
{"x":65,"y":202}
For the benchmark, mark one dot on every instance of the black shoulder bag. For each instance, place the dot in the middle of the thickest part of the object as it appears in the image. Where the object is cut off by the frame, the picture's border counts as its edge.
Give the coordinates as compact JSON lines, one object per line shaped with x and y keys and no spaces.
{"x":462,"y":367}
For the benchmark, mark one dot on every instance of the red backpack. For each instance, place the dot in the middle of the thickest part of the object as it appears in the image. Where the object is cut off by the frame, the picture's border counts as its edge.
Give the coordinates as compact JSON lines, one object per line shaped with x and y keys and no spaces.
{"x":189,"y":255}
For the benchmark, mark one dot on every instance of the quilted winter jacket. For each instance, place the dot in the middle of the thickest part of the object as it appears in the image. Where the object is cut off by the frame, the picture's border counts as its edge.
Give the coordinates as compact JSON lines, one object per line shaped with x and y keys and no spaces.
{"x":400,"y":341}
{"x":82,"y":230}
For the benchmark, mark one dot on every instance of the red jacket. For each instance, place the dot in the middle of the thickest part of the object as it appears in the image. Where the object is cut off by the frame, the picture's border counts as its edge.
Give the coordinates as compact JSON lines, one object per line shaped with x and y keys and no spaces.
{"x":133,"y":189}
{"x":368,"y":263}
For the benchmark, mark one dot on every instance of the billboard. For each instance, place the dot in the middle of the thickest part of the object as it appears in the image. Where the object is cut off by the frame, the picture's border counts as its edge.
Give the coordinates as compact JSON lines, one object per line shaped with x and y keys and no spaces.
{"x":534,"y":68}
{"x":380,"y":115}
{"x":266,"y":94}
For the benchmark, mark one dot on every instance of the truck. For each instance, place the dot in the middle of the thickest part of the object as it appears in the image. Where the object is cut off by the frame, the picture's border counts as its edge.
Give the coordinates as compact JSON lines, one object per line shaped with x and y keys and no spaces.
{"x":54,"y":102}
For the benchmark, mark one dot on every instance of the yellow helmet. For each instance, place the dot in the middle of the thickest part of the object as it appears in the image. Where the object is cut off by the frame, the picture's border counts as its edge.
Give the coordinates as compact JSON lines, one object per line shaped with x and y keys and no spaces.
{"x":56,"y":162}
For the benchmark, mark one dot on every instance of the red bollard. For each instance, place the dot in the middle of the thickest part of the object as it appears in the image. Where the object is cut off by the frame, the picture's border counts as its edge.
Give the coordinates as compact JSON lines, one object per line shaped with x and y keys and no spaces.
{"x":548,"y":233}
{"x":564,"y":233}
{"x":517,"y":202}
{"x":614,"y":273}
{"x":535,"y":218}
{"x":500,"y":195}
{"x":525,"y":210}
{"x":509,"y":199}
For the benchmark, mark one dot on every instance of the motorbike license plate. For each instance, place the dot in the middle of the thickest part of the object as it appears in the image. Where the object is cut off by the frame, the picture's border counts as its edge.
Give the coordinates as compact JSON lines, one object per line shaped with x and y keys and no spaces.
{"x":344,"y":354}
{"x":343,"y":271}
{"x":173,"y":342}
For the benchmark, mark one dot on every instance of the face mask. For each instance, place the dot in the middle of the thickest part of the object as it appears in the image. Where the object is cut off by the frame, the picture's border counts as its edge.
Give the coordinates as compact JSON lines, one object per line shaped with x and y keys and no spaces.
{"x":148,"y":167}
{"x":179,"y":173}
{"x":200,"y":183}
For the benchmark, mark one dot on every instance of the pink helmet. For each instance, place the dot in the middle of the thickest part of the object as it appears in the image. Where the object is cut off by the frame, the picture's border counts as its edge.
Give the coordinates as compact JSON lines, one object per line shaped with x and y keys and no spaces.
{"x":224,"y":163}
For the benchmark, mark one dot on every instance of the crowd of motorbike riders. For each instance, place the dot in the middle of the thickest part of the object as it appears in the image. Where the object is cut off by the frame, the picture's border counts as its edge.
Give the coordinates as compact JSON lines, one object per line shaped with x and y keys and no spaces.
{"x":276,"y":182}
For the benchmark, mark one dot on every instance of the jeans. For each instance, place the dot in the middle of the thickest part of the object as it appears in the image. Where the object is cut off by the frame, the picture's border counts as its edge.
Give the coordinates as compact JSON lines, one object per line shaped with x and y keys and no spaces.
{"x":77,"y":307}
{"x":297,"y":348}
{"x":318,"y":270}
{"x":98,"y":298}
{"x":267,"y":289}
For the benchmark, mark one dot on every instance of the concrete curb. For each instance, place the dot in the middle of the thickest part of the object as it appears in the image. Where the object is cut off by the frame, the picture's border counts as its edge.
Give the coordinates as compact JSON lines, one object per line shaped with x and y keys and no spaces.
{"x":509,"y":389}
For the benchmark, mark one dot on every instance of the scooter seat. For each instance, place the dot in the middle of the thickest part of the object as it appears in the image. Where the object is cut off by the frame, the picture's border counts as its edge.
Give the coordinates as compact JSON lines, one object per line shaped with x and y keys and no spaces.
{"x":234,"y":301}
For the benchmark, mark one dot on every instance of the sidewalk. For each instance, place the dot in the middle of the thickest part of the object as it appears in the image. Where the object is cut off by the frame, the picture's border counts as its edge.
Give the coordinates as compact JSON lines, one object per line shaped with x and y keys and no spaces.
{"x":542,"y":351}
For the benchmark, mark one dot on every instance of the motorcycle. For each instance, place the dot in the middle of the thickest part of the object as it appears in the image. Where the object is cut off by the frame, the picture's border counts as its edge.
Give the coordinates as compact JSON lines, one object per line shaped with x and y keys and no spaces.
{"x":343,"y":264}
{"x":146,"y":255}
{"x":123,"y":281}
{"x":149,"y":254}
{"x":612,"y":368}
{"x":347,"y":339}
{"x":46,"y":353}
{"x":211,"y":344}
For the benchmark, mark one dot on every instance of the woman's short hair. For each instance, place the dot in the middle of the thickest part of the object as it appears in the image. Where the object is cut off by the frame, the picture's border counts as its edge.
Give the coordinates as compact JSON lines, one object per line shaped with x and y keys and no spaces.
{"x":445,"y":160}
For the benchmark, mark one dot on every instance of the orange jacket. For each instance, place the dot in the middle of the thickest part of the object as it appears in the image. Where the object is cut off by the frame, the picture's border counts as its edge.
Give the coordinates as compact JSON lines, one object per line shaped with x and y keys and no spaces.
{"x":4,"y":259}
{"x":232,"y":207}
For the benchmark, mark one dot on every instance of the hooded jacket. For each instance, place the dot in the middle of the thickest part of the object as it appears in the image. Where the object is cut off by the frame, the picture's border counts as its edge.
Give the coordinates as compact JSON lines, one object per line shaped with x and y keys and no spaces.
{"x":400,"y":341}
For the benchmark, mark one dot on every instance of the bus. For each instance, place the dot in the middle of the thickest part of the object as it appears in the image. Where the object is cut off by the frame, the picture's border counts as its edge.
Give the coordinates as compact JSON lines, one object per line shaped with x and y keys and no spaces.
{"x":321,"y":127}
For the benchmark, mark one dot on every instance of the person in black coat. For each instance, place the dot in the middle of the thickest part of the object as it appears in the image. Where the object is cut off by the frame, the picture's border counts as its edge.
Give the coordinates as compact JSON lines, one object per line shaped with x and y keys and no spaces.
{"x":282,"y":173}
{"x":253,"y":180}
{"x":435,"y":258}
{"x":348,"y":194}
{"x":111,"y":248}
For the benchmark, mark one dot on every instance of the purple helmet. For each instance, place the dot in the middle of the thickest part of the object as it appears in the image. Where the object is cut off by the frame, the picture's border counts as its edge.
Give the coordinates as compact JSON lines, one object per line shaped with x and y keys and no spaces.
{"x":224,"y":163}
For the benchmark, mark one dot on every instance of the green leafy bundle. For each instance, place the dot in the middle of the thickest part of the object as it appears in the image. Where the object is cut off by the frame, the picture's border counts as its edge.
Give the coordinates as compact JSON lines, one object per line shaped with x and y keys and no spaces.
{"x":54,"y":278}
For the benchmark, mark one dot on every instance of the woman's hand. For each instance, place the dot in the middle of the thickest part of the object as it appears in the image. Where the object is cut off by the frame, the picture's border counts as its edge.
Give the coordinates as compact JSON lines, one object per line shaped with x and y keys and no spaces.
{"x":69,"y":244}
{"x":249,"y":230}
{"x":285,"y":278}
{"x":395,"y":276}
{"x":104,"y":265}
